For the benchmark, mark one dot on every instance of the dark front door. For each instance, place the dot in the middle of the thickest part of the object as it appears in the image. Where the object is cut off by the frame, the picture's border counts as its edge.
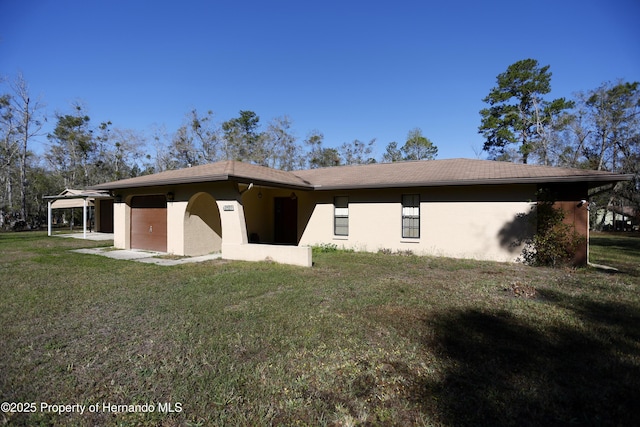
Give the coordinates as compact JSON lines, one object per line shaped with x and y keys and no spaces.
{"x":285,"y":228}
{"x":106,"y":216}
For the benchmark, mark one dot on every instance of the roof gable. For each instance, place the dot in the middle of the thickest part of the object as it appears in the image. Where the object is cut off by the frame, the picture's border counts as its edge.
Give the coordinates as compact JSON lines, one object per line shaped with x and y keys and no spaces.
{"x":71,"y":198}
{"x":219,"y":171}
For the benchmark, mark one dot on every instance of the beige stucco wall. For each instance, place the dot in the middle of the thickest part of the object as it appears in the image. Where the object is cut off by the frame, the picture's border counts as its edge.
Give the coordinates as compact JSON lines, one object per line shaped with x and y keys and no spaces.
{"x":233,"y":222}
{"x":202,"y":226}
{"x":472,"y":222}
{"x":182,"y":225}
{"x":175,"y":235}
{"x":479,"y":236}
{"x":121,"y":224}
{"x":480,"y":222}
{"x":286,"y":254}
{"x":258,"y":211}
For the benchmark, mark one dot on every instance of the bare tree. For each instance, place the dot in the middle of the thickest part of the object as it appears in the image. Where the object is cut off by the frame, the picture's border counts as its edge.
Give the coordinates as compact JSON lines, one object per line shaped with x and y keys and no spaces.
{"x":318,"y":156}
{"x":280,"y":149}
{"x":605,"y":135}
{"x":126,"y":154}
{"x":73,"y":147}
{"x":358,"y":152}
{"x":182,"y":150}
{"x":162,"y":159}
{"x":28,"y":122}
{"x":205,"y":135}
{"x":9,"y":150}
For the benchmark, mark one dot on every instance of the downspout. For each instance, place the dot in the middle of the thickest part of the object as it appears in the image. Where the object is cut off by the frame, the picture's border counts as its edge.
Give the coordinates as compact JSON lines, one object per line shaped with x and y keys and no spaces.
{"x":588,"y":230}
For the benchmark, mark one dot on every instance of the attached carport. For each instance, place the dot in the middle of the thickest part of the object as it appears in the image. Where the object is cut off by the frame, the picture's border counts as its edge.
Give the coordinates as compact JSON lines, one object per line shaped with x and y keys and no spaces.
{"x":84,"y":199}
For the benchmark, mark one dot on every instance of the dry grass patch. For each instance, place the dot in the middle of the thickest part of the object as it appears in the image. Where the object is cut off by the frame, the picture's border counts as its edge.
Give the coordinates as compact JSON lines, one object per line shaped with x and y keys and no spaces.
{"x":359,"y":339}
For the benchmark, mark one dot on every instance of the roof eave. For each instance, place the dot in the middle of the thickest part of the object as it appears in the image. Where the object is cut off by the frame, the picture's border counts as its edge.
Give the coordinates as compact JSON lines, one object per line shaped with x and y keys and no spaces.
{"x":79,"y":196}
{"x":116,"y":185}
{"x":593,"y":181}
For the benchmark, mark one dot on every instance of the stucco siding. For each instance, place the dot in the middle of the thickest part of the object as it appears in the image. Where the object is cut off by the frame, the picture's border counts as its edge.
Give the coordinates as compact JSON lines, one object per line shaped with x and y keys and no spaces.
{"x":121,"y":225}
{"x":454,"y":207}
{"x":175,"y":235}
{"x":258,"y":211}
{"x":375,"y":225}
{"x":294,"y":255}
{"x":479,"y":230}
{"x":480,"y":223}
{"x":202,"y":227}
{"x":188,"y":233}
{"x":319,"y":226}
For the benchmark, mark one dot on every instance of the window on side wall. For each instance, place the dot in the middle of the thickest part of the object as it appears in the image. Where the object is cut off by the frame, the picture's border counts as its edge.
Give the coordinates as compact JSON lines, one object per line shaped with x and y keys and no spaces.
{"x":341,"y":216}
{"x":411,"y":216}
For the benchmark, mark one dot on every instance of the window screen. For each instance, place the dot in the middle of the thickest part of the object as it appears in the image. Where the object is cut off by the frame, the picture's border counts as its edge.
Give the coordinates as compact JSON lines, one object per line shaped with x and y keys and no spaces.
{"x":411,"y":215}
{"x":341,"y":216}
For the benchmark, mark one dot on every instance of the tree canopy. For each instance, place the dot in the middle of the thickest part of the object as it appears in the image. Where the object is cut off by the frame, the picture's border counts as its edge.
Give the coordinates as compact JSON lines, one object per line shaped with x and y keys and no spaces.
{"x":517,"y":113}
{"x":604,"y":134}
{"x":417,"y":147}
{"x":598,"y":129}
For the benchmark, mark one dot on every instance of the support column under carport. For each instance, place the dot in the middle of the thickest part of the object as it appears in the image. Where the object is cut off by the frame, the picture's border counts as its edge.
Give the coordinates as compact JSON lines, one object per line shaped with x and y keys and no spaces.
{"x":84,"y":217}
{"x":49,"y":202}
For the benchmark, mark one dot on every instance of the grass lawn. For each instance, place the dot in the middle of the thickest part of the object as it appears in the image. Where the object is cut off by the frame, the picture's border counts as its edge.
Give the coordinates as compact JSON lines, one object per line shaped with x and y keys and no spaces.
{"x":359,"y":339}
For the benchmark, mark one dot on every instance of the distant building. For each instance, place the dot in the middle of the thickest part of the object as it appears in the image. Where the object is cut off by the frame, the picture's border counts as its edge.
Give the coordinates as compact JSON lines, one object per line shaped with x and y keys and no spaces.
{"x":618,"y":218}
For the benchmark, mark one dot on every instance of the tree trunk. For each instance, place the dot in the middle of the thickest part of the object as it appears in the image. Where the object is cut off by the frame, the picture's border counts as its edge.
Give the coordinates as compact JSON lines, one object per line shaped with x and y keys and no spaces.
{"x":23,"y":160}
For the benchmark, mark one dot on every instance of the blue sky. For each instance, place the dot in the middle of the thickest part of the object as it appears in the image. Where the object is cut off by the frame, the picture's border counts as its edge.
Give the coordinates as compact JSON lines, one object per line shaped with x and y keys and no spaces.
{"x":352,"y":70}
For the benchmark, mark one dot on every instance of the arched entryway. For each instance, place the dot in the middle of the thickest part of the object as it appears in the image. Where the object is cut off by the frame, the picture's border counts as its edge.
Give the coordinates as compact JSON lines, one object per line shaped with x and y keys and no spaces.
{"x":202,"y":226}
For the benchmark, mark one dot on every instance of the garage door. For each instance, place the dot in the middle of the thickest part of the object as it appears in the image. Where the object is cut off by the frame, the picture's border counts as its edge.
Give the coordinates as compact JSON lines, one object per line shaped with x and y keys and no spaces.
{"x":149,"y":223}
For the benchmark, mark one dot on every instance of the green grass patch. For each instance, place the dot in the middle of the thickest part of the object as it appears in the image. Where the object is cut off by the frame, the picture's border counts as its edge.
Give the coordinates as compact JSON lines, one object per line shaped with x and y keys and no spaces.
{"x":620,"y":250}
{"x":359,"y":339}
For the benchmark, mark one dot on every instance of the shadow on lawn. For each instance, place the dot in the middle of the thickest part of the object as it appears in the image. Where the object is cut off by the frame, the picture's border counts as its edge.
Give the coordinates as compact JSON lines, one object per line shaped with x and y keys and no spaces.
{"x":505,"y":371}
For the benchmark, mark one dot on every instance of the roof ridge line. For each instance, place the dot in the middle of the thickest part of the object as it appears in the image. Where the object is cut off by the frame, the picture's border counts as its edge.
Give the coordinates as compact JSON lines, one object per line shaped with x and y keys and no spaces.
{"x":229,"y":168}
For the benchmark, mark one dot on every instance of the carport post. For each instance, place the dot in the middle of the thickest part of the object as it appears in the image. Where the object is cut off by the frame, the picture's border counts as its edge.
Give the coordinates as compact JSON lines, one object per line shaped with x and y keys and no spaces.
{"x":49,"y":218}
{"x":84,"y":218}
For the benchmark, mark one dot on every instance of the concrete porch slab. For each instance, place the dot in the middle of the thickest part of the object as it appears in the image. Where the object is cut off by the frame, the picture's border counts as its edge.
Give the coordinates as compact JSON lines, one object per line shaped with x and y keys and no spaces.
{"x":90,"y":236}
{"x":149,"y":257}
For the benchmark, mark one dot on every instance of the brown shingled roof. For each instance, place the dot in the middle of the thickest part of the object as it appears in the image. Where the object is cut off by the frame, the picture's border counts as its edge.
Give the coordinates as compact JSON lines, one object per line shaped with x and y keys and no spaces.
{"x":380,"y":175}
{"x":448,"y":172}
{"x":211,"y":172}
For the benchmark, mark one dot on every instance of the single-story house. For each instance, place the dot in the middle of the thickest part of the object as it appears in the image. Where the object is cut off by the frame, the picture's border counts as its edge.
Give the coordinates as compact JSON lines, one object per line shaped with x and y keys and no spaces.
{"x":457,"y":208}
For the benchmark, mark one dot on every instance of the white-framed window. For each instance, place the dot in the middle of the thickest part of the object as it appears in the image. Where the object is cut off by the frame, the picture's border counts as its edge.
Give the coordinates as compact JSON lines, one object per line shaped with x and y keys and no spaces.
{"x":341,"y":216}
{"x":411,"y":216}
